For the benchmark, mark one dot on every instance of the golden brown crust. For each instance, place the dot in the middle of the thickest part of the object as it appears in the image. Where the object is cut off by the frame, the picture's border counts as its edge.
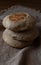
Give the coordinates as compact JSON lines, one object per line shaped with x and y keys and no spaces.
{"x":16,"y":17}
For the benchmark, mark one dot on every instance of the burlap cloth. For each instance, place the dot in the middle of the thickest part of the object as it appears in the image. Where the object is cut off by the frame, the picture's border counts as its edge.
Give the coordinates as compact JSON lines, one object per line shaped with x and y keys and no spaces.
{"x":26,"y":56}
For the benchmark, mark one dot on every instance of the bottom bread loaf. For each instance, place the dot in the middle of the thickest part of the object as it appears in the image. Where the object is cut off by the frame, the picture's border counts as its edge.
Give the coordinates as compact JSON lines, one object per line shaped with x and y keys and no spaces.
{"x":8,"y":37}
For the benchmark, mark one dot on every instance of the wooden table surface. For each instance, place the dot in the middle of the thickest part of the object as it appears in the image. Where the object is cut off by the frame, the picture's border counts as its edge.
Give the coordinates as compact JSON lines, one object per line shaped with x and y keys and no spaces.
{"x":29,"y":3}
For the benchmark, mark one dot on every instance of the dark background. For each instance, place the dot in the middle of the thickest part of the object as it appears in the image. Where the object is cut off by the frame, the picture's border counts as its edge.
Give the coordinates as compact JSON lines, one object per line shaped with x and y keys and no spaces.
{"x":29,"y":3}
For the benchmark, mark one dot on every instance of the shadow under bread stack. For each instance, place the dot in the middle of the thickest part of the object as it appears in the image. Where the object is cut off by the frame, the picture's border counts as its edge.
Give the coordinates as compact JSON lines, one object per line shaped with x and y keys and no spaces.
{"x":20,"y":29}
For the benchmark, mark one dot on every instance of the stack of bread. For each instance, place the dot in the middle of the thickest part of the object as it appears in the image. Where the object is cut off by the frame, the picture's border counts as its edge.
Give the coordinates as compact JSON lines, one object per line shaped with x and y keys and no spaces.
{"x":20,"y":29}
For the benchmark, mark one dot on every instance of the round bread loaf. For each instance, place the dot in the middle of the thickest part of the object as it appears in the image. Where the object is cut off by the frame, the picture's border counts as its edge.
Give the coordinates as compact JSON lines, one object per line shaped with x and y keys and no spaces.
{"x":23,"y":36}
{"x":8,"y":38}
{"x":19,"y":21}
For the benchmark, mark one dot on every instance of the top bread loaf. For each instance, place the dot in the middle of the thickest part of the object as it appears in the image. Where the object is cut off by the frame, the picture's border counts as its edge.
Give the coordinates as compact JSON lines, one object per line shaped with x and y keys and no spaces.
{"x":19,"y":21}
